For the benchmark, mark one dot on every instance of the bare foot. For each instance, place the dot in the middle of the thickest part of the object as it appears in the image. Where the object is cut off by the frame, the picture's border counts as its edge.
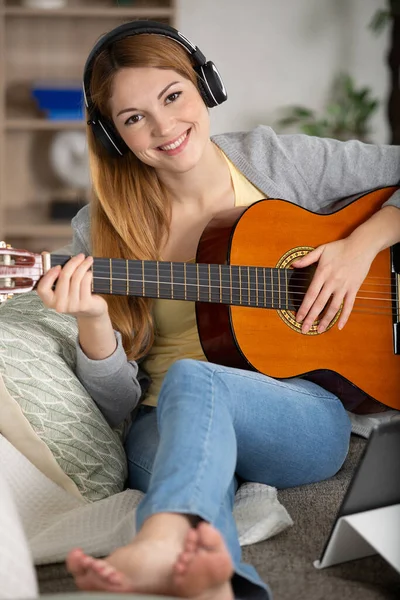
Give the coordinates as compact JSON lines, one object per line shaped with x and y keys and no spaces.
{"x":143,"y":566}
{"x":204,"y":567}
{"x":150,"y":566}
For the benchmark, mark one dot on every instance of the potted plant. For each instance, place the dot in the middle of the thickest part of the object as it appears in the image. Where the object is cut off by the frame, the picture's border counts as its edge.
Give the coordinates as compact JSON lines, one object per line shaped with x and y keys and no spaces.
{"x":347,"y":115}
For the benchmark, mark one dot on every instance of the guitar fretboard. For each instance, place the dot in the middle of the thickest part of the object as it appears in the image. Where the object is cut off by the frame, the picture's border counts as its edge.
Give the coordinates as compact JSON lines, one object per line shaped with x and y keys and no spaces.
{"x":199,"y":282}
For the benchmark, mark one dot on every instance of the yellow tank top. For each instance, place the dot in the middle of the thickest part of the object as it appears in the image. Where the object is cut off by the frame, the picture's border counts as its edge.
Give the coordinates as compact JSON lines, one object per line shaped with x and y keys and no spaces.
{"x":176,"y":333}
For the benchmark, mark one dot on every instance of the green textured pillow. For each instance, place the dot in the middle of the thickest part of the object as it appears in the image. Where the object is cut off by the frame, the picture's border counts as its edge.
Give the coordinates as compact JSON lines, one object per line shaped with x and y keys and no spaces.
{"x":37,"y":355}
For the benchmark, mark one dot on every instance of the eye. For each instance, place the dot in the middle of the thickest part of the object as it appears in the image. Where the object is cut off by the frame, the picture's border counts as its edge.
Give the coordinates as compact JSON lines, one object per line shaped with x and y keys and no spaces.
{"x":133,"y":119}
{"x":172,"y":97}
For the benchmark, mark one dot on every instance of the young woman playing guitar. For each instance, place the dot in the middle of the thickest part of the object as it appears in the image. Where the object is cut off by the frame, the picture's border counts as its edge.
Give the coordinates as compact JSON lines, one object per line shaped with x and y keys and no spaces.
{"x":198,"y":427}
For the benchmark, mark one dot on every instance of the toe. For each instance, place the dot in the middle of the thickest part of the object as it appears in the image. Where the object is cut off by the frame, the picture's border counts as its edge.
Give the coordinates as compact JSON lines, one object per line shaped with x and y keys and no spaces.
{"x":209,"y":537}
{"x":75,"y":562}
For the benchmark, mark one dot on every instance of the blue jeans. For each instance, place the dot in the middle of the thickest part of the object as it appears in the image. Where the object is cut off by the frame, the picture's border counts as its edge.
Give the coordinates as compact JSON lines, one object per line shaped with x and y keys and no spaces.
{"x":214,"y":423}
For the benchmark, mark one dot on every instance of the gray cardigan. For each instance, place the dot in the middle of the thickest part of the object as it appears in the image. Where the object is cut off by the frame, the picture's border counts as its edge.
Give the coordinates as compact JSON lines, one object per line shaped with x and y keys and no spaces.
{"x":311,"y":172}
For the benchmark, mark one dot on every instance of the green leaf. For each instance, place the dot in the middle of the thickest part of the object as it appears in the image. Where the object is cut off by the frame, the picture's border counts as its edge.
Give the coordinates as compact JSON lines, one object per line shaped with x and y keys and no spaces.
{"x":380,"y":20}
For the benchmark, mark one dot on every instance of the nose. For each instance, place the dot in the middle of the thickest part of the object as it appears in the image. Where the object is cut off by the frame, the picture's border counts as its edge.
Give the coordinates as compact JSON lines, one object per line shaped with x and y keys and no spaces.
{"x":163,"y":125}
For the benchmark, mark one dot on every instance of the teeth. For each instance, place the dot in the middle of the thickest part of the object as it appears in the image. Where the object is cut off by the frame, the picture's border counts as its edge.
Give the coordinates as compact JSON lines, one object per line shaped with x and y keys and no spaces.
{"x":175,"y":144}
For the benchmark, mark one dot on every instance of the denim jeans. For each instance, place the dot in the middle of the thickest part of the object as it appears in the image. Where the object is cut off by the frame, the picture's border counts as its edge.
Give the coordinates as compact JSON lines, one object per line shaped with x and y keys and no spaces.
{"x":214,"y":424}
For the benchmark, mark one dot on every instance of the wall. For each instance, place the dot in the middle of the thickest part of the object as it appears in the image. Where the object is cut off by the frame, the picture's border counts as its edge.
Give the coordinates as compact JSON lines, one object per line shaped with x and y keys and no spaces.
{"x":273,"y":53}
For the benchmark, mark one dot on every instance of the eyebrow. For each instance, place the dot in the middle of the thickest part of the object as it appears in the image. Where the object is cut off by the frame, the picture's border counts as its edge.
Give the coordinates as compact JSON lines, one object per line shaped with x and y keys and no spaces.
{"x":158,"y":98}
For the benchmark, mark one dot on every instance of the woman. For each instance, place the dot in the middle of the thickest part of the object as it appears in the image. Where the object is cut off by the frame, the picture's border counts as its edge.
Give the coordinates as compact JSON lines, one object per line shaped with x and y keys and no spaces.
{"x":158,"y":179}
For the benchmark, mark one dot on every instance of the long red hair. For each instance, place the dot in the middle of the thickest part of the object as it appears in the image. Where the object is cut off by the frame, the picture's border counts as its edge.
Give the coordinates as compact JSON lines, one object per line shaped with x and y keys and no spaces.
{"x":130,"y":207}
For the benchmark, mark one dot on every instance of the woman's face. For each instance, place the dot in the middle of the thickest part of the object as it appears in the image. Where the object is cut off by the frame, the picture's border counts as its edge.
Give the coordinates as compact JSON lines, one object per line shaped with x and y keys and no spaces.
{"x":161,"y":117}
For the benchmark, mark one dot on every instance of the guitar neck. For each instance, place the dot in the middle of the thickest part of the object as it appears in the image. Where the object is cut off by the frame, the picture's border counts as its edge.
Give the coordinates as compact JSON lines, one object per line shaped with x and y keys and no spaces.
{"x":262,"y":287}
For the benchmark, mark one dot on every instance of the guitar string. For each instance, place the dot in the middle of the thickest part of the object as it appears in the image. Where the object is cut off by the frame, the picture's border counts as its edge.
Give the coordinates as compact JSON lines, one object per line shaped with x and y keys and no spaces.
{"x":270,"y":288}
{"x":122,"y":272}
{"x":167,"y":265}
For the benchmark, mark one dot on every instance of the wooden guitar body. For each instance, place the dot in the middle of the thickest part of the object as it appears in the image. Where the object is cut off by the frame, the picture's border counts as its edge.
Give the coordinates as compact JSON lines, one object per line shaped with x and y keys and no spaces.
{"x":358,"y":363}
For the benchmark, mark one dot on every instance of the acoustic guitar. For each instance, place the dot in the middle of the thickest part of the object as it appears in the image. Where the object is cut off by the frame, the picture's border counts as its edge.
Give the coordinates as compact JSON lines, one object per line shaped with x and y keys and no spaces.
{"x":247,"y":295}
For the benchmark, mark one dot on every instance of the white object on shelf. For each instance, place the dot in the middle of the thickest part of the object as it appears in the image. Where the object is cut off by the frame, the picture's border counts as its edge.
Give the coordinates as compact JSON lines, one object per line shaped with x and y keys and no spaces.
{"x":44,"y":3}
{"x":69,"y":158}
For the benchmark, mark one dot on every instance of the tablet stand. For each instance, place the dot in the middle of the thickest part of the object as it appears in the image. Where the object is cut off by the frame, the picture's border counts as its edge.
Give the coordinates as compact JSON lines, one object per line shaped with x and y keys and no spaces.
{"x":364,"y":534}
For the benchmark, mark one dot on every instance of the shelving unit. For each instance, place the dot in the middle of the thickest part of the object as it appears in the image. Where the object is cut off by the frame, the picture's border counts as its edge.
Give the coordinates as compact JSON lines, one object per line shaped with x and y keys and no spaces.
{"x":46,"y":44}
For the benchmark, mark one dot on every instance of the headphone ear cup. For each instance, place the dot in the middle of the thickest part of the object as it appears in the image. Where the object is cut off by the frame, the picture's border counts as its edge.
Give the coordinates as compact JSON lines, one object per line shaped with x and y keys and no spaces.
{"x":109,"y":138}
{"x":211,"y":85}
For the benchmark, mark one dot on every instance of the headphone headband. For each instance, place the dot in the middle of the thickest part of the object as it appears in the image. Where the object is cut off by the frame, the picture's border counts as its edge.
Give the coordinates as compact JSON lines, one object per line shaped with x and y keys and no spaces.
{"x":211,"y":86}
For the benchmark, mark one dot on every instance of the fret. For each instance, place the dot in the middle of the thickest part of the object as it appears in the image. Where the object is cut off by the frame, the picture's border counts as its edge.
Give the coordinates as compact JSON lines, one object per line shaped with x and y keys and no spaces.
{"x":226,"y":284}
{"x":265,"y":288}
{"x":158,"y":278}
{"x":110,"y":276}
{"x":282,"y":295}
{"x":220,"y":283}
{"x":149,"y":282}
{"x":252,"y":286}
{"x":127,"y":277}
{"x":256,"y":286}
{"x":235,"y":285}
{"x":272,"y":287}
{"x":215,"y":278}
{"x":240,"y":285}
{"x":279,"y":288}
{"x":184,"y":279}
{"x":287,"y":290}
{"x":191,"y":282}
{"x":249,"y":285}
{"x":164,"y":280}
{"x":179,"y":281}
{"x":172,"y":281}
{"x":276,"y":287}
{"x":209,"y":283}
{"x":198,"y":281}
{"x":203,"y":282}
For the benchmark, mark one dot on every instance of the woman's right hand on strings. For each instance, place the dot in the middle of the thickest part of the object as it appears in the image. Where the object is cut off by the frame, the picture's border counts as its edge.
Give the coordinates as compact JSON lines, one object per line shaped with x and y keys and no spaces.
{"x":73,"y":289}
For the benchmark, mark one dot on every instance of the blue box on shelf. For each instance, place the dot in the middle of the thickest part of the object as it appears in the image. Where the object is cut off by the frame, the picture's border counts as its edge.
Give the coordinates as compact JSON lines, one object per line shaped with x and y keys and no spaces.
{"x":60,"y":99}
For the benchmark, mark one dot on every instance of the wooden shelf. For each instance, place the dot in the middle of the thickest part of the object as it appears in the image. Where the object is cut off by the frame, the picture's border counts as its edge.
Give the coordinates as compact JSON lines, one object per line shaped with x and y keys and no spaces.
{"x":32,"y":124}
{"x":92,"y":12}
{"x":46,"y":44}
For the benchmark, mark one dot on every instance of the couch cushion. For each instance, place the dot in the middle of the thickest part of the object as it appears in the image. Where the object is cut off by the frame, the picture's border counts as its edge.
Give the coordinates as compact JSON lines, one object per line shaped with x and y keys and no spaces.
{"x":37,"y":356}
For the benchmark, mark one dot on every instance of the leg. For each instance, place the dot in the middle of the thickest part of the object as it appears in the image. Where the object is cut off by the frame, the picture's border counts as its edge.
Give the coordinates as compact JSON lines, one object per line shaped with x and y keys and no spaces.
{"x":282,"y":433}
{"x":141,"y":447}
{"x":212,"y":419}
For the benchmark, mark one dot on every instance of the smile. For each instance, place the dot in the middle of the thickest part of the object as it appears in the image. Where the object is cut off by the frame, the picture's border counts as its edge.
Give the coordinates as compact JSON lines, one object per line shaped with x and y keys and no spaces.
{"x":174,"y":145}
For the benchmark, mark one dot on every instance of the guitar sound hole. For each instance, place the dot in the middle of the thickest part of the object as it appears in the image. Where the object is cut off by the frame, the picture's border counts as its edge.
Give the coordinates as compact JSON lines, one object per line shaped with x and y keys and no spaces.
{"x":299,"y":283}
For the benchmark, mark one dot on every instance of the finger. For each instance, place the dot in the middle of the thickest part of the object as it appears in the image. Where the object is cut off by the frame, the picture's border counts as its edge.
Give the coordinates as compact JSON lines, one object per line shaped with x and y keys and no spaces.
{"x":347,"y":308}
{"x":309,"y":258}
{"x":76,"y":283}
{"x":311,"y":295}
{"x":46,"y":283}
{"x":63,"y":284}
{"x":331,"y":312}
{"x":316,"y":309}
{"x":86,"y":288}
